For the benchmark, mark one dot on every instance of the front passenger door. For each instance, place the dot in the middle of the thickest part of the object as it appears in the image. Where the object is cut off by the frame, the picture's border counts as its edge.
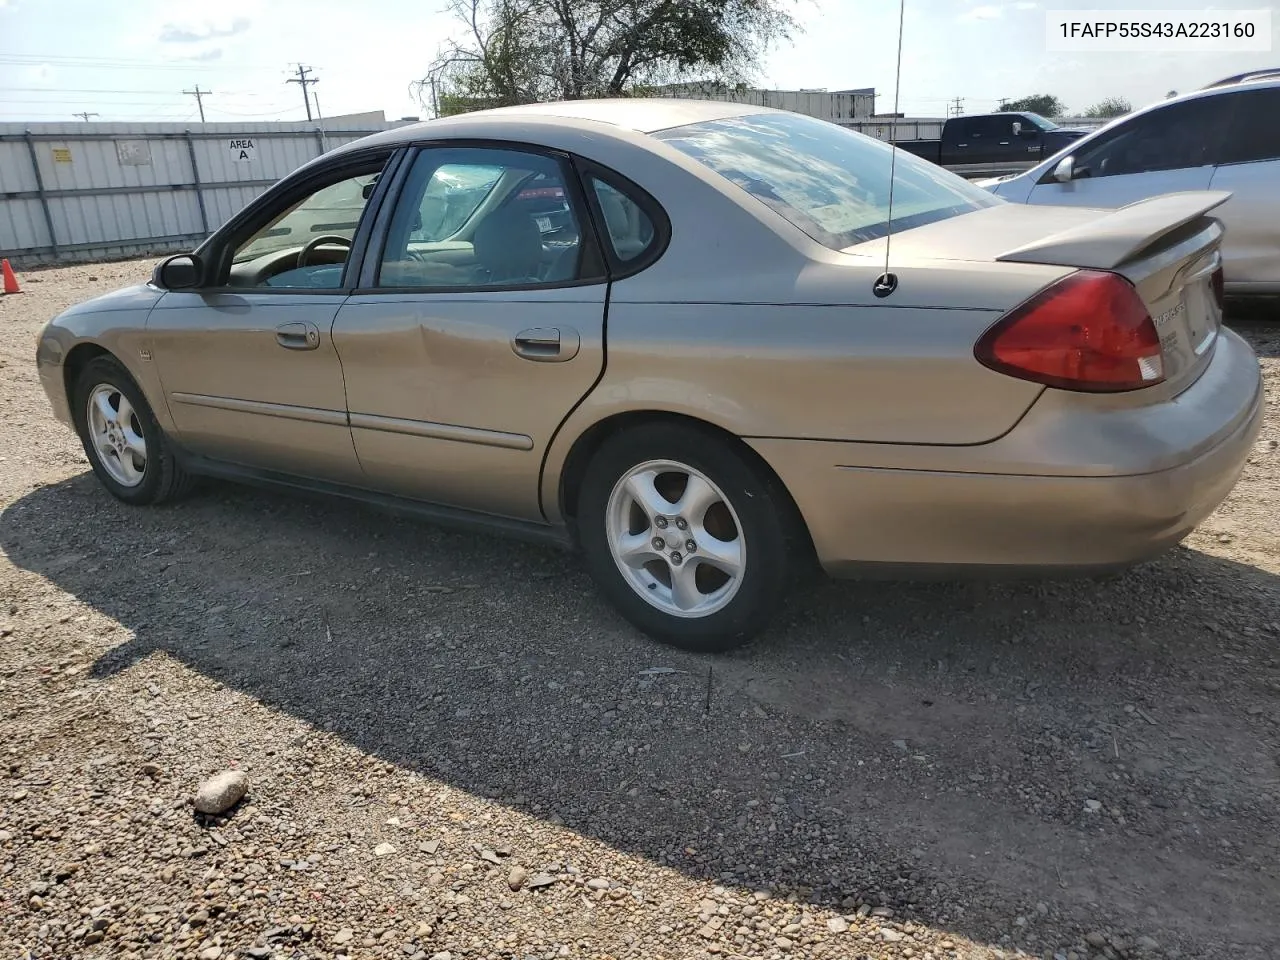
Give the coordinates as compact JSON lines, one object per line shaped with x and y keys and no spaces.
{"x":1167,"y":150}
{"x":247,"y":361}
{"x":478,"y":326}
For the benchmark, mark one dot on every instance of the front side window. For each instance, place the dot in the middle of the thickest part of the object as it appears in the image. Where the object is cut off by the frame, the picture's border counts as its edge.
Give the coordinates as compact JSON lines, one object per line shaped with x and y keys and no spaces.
{"x":1035,"y":120}
{"x":306,"y":244}
{"x":476,"y":217}
{"x":1174,"y":137}
{"x":828,"y":181}
{"x":985,"y":128}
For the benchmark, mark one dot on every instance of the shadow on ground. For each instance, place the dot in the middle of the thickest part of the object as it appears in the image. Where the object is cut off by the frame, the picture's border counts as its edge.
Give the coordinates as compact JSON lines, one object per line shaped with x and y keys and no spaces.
{"x":910,"y":744}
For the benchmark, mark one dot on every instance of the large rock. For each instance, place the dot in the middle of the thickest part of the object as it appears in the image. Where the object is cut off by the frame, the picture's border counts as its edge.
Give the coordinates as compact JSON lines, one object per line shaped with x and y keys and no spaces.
{"x":221,"y":793}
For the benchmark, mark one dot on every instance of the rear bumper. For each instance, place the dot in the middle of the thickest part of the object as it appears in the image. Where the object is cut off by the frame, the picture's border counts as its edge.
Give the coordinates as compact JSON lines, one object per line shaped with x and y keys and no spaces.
{"x":952,"y":510}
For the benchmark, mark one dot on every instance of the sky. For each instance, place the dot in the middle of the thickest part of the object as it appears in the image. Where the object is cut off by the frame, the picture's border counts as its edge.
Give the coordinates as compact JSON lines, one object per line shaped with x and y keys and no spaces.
{"x":132,"y":59}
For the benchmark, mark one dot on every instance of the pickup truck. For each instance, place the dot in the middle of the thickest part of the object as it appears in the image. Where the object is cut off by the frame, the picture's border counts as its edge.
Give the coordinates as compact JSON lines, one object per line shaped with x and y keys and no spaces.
{"x":993,"y":139}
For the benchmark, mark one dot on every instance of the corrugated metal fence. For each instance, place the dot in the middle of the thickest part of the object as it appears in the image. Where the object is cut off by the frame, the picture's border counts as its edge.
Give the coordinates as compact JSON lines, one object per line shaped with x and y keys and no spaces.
{"x":78,"y":192}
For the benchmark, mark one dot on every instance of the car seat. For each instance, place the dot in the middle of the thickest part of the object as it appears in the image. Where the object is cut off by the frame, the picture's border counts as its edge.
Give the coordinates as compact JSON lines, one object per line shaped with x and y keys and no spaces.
{"x":508,"y":247}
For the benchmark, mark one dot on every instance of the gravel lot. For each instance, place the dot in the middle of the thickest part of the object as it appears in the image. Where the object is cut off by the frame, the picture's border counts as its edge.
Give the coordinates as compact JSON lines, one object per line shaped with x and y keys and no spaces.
{"x":457,"y":751}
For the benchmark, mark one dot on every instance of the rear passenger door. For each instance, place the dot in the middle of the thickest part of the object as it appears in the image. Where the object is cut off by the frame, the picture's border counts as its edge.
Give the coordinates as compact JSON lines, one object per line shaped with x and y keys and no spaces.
{"x":476,"y":327}
{"x":977,"y":142}
{"x":1249,"y":167}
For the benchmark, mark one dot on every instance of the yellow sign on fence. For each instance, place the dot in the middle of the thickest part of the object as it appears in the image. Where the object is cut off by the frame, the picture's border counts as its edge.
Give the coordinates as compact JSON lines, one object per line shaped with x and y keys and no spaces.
{"x":61,"y":154}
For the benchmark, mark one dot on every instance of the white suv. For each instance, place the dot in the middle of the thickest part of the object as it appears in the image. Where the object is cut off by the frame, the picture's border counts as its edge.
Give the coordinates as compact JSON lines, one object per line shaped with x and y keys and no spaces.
{"x":1224,"y":137}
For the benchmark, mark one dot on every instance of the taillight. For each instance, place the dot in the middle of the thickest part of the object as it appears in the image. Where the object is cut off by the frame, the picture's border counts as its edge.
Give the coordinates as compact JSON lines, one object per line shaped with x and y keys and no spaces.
{"x":1219,"y":291}
{"x":1089,"y":331}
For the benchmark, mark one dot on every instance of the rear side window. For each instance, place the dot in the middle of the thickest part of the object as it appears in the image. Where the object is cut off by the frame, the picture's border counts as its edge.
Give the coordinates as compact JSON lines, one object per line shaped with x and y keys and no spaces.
{"x":629,"y":229}
{"x":824,"y":179}
{"x":1254,"y":133}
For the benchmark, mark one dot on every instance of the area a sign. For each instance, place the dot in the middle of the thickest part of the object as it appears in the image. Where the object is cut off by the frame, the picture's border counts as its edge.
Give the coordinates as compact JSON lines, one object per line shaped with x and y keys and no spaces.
{"x":243,"y":151}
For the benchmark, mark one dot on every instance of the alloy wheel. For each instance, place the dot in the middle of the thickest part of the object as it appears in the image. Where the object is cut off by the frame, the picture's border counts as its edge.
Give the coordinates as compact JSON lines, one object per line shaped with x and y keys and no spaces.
{"x":117,"y":436}
{"x":676,"y":538}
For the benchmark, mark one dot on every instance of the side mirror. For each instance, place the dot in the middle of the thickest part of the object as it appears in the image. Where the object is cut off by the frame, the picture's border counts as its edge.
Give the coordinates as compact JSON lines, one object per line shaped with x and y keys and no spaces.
{"x":1065,"y":170}
{"x":1017,"y":128}
{"x":182,"y":272}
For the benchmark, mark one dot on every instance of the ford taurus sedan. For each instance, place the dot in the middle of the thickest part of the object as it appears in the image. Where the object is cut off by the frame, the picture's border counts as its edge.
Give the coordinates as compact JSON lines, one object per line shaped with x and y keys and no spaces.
{"x":663,"y":331}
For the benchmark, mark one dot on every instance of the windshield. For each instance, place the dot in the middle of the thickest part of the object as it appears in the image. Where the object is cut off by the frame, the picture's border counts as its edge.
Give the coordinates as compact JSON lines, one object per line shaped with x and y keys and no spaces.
{"x":1040,"y":121}
{"x":826,"y":180}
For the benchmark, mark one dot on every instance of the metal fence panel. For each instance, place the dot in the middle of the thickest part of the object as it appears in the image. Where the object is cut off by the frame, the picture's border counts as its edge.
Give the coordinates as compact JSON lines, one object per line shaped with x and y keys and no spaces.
{"x":81,"y":191}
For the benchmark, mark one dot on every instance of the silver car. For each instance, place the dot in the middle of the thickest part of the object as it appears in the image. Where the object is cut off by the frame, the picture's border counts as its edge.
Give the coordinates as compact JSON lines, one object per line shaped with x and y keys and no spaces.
{"x":663,"y":332}
{"x":1225,"y":137}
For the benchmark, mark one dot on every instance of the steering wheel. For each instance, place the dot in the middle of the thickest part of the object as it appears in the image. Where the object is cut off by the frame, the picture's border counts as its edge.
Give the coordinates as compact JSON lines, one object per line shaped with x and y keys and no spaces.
{"x":306,"y":251}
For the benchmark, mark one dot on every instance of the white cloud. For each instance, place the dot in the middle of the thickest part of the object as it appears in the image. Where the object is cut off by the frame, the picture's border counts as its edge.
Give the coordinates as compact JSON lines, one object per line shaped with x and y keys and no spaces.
{"x":1025,"y":5}
{"x":200,"y":31}
{"x":982,"y":13}
{"x":42,"y":74}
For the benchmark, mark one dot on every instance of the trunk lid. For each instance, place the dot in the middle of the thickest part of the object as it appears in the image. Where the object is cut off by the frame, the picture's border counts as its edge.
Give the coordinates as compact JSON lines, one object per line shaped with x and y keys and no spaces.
{"x":1167,"y":247}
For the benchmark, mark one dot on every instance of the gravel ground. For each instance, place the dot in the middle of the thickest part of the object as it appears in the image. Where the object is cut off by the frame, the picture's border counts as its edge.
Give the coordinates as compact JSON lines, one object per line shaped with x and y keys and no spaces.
{"x":455,"y":750}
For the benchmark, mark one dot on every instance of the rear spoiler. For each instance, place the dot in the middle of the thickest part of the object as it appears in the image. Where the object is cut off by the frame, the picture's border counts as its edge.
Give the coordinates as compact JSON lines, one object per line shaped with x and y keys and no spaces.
{"x":1118,"y":235}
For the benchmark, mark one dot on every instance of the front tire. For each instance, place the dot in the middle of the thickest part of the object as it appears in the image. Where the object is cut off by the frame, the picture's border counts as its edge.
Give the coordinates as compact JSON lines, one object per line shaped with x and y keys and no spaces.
{"x":126,"y":447}
{"x":690,"y":540}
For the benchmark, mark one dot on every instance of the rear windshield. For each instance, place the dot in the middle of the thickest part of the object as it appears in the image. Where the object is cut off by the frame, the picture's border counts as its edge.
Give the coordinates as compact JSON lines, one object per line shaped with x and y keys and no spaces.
{"x":826,"y":180}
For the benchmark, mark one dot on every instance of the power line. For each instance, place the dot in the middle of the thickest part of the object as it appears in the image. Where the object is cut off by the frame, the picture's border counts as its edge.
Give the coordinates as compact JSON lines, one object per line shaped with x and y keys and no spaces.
{"x":302,"y":80}
{"x":149,"y":93}
{"x":106,"y":63}
{"x":199,"y":95}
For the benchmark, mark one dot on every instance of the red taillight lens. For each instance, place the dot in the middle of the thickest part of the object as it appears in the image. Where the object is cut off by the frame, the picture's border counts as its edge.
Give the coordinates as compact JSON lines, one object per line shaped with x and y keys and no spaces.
{"x":1219,"y":290}
{"x":1088,"y":331}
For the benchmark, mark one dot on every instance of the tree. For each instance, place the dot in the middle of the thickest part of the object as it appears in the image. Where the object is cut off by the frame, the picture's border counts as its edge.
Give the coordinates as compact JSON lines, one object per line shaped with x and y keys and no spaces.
{"x":1110,"y":107}
{"x":1045,"y":104}
{"x":525,"y":51}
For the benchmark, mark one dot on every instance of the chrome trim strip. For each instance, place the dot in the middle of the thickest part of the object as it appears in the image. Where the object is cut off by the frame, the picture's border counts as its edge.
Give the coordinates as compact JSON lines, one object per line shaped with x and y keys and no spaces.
{"x":285,"y":411}
{"x":441,"y":431}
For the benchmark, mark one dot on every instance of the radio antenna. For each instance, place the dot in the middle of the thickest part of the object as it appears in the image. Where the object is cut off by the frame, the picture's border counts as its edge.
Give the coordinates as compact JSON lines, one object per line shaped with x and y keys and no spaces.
{"x":887,"y":282}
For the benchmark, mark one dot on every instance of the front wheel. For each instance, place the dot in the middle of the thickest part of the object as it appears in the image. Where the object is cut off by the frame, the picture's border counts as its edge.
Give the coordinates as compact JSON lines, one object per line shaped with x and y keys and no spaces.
{"x":126,"y":447}
{"x":690,"y":540}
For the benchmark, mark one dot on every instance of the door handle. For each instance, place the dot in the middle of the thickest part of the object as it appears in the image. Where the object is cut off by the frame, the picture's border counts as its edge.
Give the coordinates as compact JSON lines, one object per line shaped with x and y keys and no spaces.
{"x":299,"y":335}
{"x":547,"y":344}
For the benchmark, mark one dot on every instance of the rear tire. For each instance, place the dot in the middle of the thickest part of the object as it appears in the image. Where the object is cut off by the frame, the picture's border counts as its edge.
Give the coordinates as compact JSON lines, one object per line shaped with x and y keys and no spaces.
{"x":125,"y":445}
{"x":692,"y":542}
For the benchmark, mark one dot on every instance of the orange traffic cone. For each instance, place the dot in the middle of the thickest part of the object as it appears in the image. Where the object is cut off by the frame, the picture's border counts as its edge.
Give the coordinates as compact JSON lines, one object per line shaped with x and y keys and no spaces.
{"x":10,"y":281}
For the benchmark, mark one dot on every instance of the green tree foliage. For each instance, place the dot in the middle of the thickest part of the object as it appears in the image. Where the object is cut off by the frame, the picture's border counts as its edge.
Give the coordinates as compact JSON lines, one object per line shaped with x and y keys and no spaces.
{"x":1045,"y":104}
{"x":526,"y":51}
{"x":1110,"y":107}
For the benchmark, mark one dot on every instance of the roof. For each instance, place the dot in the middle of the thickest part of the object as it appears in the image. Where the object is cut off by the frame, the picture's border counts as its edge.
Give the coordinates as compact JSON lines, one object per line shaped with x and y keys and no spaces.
{"x":639,"y":114}
{"x":1269,"y":73}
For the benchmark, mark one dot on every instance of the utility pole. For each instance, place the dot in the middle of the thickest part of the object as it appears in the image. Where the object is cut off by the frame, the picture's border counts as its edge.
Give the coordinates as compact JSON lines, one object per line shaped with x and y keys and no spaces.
{"x":957,"y":108}
{"x":199,"y":95}
{"x":85,"y":115}
{"x":302,"y":79}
